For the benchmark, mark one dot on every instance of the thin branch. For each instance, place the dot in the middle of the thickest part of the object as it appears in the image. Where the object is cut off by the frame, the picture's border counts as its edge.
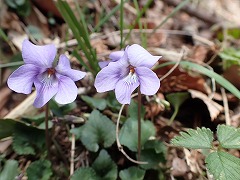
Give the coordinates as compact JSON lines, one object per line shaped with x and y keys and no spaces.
{"x":72,"y":152}
{"x":174,"y":67}
{"x":120,"y":148}
{"x":226,"y":108}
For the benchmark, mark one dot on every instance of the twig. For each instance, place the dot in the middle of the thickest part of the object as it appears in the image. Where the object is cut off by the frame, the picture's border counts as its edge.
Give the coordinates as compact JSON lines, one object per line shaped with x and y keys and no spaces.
{"x":72,"y":152}
{"x":174,"y":67}
{"x":120,"y":148}
{"x":226,"y":108}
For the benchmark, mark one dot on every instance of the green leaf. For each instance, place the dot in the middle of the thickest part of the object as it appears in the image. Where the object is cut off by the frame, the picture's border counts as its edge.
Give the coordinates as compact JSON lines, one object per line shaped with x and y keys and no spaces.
{"x":223,"y":166}
{"x":152,"y":158}
{"x":229,"y":137}
{"x":157,"y":145}
{"x":133,"y":173}
{"x":133,"y":110}
{"x":86,"y":173}
{"x":95,"y":103}
{"x":222,"y":81}
{"x":40,"y":170}
{"x":112,"y":102}
{"x":176,"y":100}
{"x":27,"y":139}
{"x":129,"y":133}
{"x":99,"y":129}
{"x":194,"y":139}
{"x":61,"y":110}
{"x":7,"y":127}
{"x":104,"y":166}
{"x":10,"y":170}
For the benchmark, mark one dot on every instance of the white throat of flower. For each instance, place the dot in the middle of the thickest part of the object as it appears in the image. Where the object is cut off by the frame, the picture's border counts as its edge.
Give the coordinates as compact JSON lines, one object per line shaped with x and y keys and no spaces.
{"x":131,"y":78}
{"x":49,"y":77}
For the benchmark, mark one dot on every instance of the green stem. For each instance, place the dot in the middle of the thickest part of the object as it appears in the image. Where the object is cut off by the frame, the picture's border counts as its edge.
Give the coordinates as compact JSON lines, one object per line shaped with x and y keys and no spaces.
{"x":46,"y":130}
{"x":139,"y":124}
{"x":173,"y":116}
{"x":121,"y":23}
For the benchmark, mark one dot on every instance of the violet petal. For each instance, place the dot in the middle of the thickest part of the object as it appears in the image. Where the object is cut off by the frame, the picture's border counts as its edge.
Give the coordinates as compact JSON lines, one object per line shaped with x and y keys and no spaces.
{"x":103,"y":64}
{"x":115,"y":56}
{"x":46,"y":88}
{"x":124,"y":90}
{"x":138,"y":56}
{"x":64,"y":68}
{"x":108,"y":77}
{"x":42,"y":56}
{"x":67,"y":90}
{"x":149,"y":82}
{"x":21,"y":80}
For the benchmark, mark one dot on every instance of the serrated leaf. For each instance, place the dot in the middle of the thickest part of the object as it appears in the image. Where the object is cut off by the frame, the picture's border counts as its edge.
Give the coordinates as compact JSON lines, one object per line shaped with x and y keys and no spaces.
{"x":99,"y":129}
{"x":223,"y":166}
{"x":10,"y":170}
{"x":129,"y":133}
{"x":133,"y":173}
{"x":94,"y":102}
{"x":27,"y":139}
{"x":104,"y":166}
{"x":194,"y":139}
{"x":40,"y":169}
{"x":229,"y":137}
{"x":86,"y":173}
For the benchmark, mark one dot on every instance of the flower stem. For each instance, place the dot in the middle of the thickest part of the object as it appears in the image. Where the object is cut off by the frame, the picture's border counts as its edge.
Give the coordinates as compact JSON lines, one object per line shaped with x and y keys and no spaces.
{"x":139,"y":124}
{"x":46,"y":130}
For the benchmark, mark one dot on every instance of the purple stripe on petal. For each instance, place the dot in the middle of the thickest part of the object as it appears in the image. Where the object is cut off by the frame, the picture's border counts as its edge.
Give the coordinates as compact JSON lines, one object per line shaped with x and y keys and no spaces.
{"x":21,"y":80}
{"x":138,"y":56}
{"x":64,"y":68}
{"x":124,"y":90}
{"x":149,"y":82}
{"x":108,"y":77}
{"x":42,"y":56}
{"x":46,"y":88}
{"x":67,"y":90}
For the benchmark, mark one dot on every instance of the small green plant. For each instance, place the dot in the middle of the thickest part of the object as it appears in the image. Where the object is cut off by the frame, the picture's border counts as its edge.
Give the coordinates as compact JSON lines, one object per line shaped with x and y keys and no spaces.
{"x":98,"y":136}
{"x":219,"y":163}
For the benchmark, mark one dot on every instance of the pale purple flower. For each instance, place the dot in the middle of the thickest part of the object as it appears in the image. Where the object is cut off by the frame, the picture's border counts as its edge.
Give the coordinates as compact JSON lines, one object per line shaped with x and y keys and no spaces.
{"x":114,"y":56}
{"x":48,"y":80}
{"x":129,"y":69}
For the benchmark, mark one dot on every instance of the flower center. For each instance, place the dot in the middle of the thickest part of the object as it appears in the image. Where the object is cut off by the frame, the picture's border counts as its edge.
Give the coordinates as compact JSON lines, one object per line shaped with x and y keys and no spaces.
{"x":131,"y":78}
{"x":48,"y":78}
{"x":50,"y":71}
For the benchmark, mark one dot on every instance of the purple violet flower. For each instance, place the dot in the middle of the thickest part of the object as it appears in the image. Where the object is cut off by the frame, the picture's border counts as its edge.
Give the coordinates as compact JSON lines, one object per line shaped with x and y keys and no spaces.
{"x":114,"y":56}
{"x":48,"y":80}
{"x":129,"y":69}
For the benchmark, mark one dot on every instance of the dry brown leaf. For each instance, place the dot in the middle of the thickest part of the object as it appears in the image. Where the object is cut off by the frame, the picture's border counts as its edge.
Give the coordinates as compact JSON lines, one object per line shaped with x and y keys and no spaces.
{"x":214,"y":108}
{"x":179,"y":80}
{"x":4,"y":144}
{"x":4,"y":94}
{"x":179,"y":167}
{"x":192,"y":160}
